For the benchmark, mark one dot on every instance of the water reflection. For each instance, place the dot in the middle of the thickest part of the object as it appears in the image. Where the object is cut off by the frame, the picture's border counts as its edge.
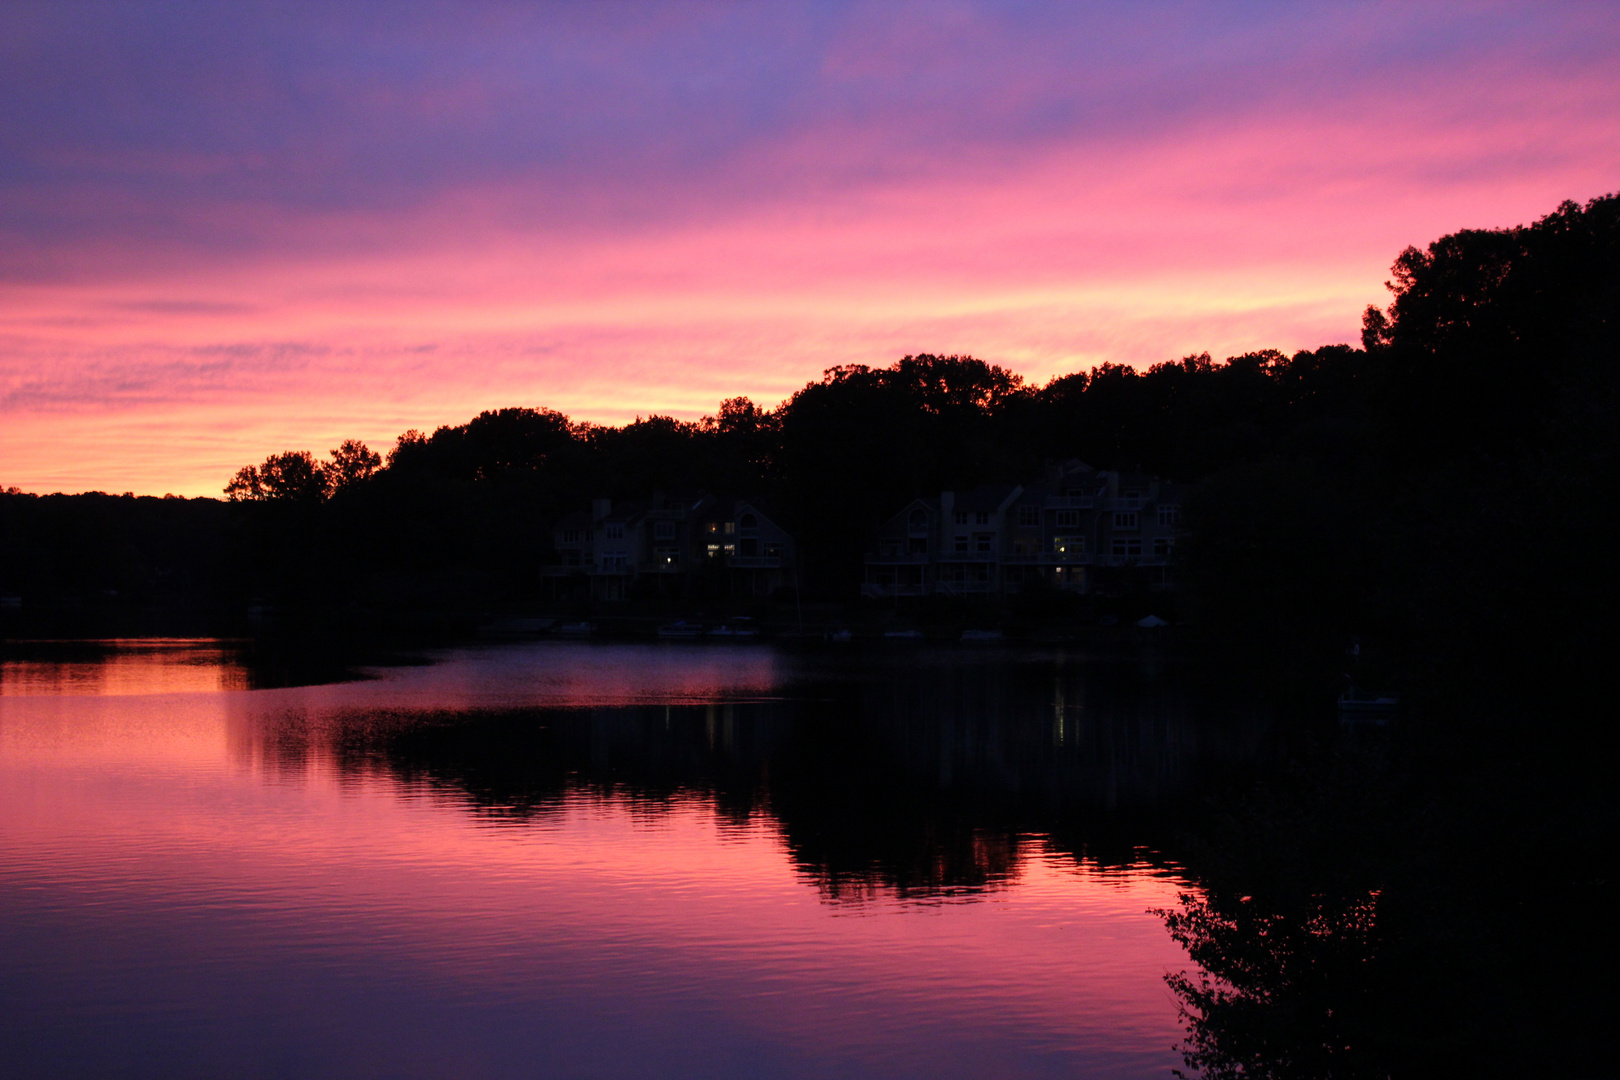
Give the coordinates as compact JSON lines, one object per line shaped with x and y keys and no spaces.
{"x":121,"y":666}
{"x":925,"y":778}
{"x":585,"y":860}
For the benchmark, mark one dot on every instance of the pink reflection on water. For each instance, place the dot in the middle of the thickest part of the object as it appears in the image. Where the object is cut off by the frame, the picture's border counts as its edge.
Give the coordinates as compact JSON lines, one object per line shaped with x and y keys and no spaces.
{"x":122,"y":666}
{"x":656,"y":934}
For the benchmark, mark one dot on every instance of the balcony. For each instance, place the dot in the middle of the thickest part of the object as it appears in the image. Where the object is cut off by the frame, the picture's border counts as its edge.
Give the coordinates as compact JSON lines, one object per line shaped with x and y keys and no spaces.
{"x":755,"y":562}
{"x":1049,"y":558}
{"x":903,"y":558}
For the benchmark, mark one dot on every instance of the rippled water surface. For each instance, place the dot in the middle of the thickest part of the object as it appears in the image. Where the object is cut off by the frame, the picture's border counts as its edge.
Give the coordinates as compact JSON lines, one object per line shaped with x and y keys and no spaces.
{"x":576,"y":859}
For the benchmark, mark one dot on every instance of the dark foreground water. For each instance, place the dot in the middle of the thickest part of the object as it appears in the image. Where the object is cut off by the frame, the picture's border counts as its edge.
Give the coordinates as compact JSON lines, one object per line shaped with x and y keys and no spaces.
{"x":582,"y":860}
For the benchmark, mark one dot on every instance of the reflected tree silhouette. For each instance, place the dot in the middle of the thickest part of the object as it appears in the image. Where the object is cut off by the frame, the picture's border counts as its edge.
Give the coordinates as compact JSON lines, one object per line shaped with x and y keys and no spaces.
{"x":911,"y":782}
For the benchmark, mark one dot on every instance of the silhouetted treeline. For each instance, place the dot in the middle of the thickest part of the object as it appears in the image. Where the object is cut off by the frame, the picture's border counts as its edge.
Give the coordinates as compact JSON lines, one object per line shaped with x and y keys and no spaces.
{"x":1433,"y":491}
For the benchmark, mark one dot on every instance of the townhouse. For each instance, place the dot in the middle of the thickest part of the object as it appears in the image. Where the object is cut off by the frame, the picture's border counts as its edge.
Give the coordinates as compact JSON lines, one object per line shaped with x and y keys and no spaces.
{"x":1077,"y":529}
{"x":679,"y":544}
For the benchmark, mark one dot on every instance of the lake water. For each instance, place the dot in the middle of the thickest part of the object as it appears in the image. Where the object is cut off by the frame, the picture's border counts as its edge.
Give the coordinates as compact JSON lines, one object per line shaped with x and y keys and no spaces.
{"x":558,"y":859}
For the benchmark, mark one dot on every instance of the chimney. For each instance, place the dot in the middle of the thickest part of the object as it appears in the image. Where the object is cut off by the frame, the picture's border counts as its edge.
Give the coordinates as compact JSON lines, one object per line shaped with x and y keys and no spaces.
{"x":601,"y":508}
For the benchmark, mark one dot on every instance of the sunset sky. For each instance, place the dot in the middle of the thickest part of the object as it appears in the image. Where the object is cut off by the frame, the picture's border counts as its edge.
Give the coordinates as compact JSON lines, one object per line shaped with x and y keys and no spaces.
{"x":233,"y":229}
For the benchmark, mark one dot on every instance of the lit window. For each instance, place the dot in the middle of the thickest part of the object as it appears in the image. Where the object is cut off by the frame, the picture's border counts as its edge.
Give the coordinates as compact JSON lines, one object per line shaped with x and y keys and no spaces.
{"x":714,"y":551}
{"x":731,"y":527}
{"x":1069,"y":546}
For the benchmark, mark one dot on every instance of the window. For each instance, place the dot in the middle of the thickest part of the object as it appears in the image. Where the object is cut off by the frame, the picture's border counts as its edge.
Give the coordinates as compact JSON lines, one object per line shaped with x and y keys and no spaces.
{"x":960,"y":517}
{"x":981,"y":541}
{"x":712,"y":550}
{"x":667,"y":556}
{"x":1169,"y":515}
{"x":729,"y":549}
{"x":731,"y":527}
{"x":711,"y":527}
{"x":918,"y":519}
{"x":1029,"y":516}
{"x":1068,"y":519}
{"x":1069,"y":546}
{"x":1127,"y":546}
{"x":962,"y":543}
{"x":981,"y":517}
{"x":918,"y":545}
{"x":613,"y":562}
{"x":570,"y":536}
{"x":1026,"y":545}
{"x":615,"y":532}
{"x":1162,"y":546}
{"x":748,"y":523}
{"x":664,"y":530}
{"x":572,"y":559}
{"x":773,"y":551}
{"x":1127,"y":519}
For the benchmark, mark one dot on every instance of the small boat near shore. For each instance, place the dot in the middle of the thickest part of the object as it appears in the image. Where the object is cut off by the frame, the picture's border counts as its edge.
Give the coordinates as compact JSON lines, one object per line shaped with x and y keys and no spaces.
{"x":741,"y":627}
{"x":1357,"y":704}
{"x":980,"y":637}
{"x":680,"y":629}
{"x":575,"y":629}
